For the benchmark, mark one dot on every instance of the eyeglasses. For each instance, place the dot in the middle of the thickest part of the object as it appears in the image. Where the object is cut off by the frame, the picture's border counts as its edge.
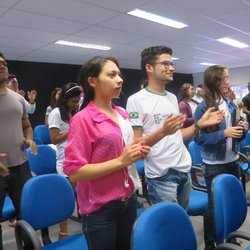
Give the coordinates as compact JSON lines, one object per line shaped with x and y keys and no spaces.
{"x":166,"y":64}
{"x":225,"y":79}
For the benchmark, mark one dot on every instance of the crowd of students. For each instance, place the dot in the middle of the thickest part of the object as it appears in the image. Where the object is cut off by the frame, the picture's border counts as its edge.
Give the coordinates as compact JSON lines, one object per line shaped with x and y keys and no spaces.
{"x":98,"y":142}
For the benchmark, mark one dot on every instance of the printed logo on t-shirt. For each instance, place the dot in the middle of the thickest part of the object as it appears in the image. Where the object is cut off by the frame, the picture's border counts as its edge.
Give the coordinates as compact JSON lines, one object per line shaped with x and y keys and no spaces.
{"x":157,"y":118}
{"x":134,"y":115}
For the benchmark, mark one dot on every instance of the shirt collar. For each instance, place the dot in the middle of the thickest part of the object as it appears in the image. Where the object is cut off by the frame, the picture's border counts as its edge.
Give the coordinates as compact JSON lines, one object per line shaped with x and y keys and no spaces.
{"x":98,"y":116}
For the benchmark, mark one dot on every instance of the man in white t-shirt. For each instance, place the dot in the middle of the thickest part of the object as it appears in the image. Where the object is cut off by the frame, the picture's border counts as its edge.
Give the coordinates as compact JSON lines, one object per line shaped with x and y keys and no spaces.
{"x":155,"y":118}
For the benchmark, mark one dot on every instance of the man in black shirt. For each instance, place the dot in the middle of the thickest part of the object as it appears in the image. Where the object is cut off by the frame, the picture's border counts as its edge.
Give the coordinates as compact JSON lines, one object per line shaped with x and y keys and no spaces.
{"x":246,"y":101}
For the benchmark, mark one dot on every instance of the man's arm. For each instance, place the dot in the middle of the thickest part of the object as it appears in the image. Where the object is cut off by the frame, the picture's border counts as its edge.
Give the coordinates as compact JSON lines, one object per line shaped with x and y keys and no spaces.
{"x":4,"y":171}
{"x":209,"y":118}
{"x":170,"y":126}
{"x":28,"y":135}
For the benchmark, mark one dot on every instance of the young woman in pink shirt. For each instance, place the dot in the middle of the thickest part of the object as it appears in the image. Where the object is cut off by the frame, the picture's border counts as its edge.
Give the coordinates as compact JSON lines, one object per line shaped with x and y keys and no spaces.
{"x":99,"y":156}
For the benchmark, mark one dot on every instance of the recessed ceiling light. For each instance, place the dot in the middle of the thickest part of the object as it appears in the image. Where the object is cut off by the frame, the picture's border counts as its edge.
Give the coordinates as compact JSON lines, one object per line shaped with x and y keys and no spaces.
{"x":82,"y":45}
{"x":232,"y":42}
{"x":175,"y":58}
{"x":207,"y":64}
{"x":156,"y":18}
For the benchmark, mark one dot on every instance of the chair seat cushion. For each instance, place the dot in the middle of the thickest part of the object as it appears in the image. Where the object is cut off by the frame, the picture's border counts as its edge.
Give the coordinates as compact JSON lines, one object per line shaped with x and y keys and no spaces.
{"x":74,"y":242}
{"x":197,"y":203}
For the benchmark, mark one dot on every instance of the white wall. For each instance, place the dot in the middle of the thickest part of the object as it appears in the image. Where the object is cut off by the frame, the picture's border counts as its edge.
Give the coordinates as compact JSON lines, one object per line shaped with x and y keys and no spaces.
{"x":239,"y":76}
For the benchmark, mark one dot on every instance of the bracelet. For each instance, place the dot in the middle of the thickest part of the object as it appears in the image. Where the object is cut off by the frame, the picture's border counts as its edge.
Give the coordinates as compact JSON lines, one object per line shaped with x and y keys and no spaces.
{"x":197,"y":129}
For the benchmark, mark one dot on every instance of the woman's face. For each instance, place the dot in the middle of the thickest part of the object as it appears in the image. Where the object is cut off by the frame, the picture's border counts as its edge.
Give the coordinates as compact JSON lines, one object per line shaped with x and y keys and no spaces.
{"x":224,"y":84}
{"x":58,"y":93}
{"x":73,"y":103}
{"x":108,"y":84}
{"x":191,"y":92}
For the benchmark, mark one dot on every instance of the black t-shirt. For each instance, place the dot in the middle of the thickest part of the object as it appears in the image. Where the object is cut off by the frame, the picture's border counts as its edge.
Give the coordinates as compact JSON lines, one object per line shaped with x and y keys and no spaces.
{"x":246,"y":101}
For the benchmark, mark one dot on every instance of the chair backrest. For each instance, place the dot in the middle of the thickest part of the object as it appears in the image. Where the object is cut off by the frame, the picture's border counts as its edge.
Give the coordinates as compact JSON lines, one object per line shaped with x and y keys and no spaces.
{"x":164,"y":225}
{"x":245,"y":144}
{"x":230,"y":205}
{"x":140,"y":167}
{"x":45,"y":160}
{"x":47,"y":200}
{"x":42,"y":132}
{"x":195,"y":152}
{"x":8,"y":210}
{"x":38,"y":141}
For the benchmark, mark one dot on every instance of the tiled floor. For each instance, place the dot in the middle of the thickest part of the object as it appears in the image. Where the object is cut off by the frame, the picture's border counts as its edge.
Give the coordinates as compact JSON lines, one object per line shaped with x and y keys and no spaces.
{"x":9,"y":238}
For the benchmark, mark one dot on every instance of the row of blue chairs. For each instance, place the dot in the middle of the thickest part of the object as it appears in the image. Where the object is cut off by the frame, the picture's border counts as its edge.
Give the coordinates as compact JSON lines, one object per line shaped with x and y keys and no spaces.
{"x":164,"y":225}
{"x":167,"y":226}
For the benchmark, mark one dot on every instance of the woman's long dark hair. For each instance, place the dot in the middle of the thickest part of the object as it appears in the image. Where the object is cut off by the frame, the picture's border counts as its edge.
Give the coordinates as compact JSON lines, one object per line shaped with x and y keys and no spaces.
{"x":69,"y":90}
{"x":92,"y":68}
{"x":212,"y":81}
{"x":53,"y":101}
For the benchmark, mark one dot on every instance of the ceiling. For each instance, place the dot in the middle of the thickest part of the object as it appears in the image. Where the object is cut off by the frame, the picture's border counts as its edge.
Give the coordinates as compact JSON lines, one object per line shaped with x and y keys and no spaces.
{"x":29,"y":28}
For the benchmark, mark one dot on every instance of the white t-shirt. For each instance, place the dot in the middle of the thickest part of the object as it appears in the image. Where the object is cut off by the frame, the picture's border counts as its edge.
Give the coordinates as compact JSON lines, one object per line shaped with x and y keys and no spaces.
{"x":148,"y":112}
{"x":128,"y":137}
{"x":55,"y":121}
{"x":193,"y":106}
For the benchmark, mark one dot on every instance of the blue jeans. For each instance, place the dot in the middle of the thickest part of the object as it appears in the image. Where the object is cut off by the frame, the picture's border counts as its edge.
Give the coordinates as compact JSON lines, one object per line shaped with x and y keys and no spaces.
{"x":212,"y":171}
{"x":110,"y":227}
{"x":175,"y":186}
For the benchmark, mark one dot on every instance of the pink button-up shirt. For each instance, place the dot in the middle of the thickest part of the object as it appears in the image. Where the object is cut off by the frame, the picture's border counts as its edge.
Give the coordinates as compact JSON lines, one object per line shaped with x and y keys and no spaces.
{"x":93,"y":138}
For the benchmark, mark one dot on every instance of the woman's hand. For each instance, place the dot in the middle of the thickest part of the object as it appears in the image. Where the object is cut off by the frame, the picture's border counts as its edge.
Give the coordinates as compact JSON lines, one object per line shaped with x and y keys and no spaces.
{"x":234,"y":132}
{"x":144,"y":150}
{"x":211,"y":117}
{"x":244,"y":124}
{"x":134,"y":152}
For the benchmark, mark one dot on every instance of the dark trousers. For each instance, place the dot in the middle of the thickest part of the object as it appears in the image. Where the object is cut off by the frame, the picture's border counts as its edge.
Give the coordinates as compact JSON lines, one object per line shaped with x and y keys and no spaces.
{"x":212,"y":171}
{"x":13,"y":185}
{"x":110,"y":227}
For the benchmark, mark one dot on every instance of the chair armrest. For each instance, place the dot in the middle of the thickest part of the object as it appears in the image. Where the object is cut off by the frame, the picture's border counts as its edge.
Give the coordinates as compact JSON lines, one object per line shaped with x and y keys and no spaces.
{"x":238,"y":234}
{"x":229,"y":246}
{"x":26,"y":236}
{"x":245,"y":159}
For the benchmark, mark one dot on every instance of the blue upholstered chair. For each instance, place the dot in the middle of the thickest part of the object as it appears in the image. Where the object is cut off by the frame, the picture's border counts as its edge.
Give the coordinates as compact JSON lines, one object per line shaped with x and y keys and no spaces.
{"x":8,"y":211}
{"x":198,"y":202}
{"x":47,"y":200}
{"x":45,"y":160}
{"x":164,"y":225}
{"x":42,"y":132}
{"x":198,"y":198}
{"x":37,"y":140}
{"x":230,"y":209}
{"x":196,"y":172}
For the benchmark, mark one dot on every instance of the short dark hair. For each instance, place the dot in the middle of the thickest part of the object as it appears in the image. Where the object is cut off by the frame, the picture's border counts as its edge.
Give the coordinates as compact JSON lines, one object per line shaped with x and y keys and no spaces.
{"x":200,"y":86}
{"x":11,"y":76}
{"x":2,"y":55}
{"x":151,"y":54}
